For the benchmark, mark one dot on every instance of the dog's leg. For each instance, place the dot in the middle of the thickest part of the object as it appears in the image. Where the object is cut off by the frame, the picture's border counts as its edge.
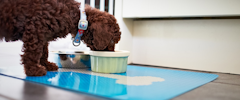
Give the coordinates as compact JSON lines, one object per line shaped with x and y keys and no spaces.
{"x":43,"y":61}
{"x":33,"y":48}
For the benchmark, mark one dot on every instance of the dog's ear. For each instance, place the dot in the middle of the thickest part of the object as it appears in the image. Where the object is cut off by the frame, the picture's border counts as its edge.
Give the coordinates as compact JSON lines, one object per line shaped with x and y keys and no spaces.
{"x":101,"y":36}
{"x":103,"y":31}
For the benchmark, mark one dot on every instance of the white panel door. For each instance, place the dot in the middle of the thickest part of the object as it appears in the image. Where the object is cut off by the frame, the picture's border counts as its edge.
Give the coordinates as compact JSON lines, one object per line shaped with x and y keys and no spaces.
{"x":209,"y":45}
{"x":180,"y":8}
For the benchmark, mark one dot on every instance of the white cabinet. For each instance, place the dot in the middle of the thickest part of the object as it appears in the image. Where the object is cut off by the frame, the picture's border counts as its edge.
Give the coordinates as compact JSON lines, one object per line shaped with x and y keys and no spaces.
{"x":207,"y":45}
{"x":180,"y":8}
{"x":198,"y":44}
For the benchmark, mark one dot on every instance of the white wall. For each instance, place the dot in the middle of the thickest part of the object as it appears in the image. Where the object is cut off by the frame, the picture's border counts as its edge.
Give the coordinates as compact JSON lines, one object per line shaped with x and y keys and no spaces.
{"x":61,"y":44}
{"x":126,"y":27}
{"x":209,"y":45}
{"x":65,"y":44}
{"x":179,"y":8}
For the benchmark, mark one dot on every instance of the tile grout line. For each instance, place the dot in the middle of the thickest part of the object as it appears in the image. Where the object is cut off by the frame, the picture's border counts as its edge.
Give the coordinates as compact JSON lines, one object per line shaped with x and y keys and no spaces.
{"x":6,"y":97}
{"x":226,"y":83}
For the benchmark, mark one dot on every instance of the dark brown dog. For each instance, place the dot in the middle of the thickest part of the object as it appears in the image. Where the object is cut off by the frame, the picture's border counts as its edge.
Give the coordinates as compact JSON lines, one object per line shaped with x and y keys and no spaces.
{"x":36,"y":22}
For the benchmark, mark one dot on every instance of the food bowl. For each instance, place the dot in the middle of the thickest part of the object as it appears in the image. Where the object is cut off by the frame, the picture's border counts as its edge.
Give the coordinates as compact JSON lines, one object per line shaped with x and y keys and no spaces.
{"x":71,"y":59}
{"x":109,"y":61}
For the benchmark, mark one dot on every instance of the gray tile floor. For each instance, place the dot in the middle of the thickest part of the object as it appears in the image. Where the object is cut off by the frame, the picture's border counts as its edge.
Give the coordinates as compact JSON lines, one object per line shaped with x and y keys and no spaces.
{"x":225,"y":87}
{"x":15,"y":89}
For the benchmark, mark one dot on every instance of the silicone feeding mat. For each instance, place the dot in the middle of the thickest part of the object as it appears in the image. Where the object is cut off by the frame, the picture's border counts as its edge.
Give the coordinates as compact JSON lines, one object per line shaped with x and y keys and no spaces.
{"x":137,"y":83}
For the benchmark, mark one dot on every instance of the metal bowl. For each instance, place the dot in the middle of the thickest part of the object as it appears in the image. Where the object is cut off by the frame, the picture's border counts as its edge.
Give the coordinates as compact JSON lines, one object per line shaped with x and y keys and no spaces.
{"x":70,"y":59}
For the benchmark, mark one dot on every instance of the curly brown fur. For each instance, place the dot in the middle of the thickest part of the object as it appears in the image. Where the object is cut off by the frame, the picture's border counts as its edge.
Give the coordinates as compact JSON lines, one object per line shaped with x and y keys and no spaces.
{"x":36,"y":22}
{"x":103,"y":31}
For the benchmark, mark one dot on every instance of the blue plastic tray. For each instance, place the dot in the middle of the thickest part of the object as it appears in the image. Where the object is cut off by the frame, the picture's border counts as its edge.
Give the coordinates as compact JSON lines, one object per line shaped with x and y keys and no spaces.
{"x":137,"y":83}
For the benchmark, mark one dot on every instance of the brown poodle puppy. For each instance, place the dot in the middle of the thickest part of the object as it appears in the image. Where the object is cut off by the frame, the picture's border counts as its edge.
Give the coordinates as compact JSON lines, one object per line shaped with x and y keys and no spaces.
{"x":36,"y":22}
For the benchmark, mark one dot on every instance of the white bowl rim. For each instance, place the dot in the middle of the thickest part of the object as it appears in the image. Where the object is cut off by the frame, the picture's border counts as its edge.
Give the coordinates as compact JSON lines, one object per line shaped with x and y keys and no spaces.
{"x":116,"y":53}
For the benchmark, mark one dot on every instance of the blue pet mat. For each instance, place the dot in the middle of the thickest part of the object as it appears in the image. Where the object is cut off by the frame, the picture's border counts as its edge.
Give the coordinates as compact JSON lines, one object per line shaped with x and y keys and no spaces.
{"x":137,"y":83}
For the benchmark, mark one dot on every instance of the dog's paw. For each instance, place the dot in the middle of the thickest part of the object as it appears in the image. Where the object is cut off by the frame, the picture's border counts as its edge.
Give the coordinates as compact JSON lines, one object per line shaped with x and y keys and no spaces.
{"x":37,"y":70}
{"x":51,"y":66}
